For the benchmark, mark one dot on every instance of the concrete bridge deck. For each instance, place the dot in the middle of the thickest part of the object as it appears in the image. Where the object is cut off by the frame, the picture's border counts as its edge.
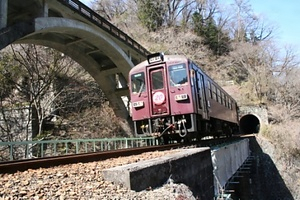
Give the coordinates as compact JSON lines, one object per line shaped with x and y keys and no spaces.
{"x":203,"y":170}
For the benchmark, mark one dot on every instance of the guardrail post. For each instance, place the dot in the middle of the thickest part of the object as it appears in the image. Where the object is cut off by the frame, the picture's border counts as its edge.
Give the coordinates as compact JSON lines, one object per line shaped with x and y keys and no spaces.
{"x":54,"y":146}
{"x":42,"y":150}
{"x":94,"y":146}
{"x":27,"y":150}
{"x":10,"y":152}
{"x":66,"y":144}
{"x":76,"y":147}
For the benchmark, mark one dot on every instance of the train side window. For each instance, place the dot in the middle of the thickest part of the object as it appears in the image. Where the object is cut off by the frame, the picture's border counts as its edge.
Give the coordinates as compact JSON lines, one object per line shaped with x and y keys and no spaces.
{"x":225,"y":101}
{"x":209,"y":89}
{"x":229,"y":104}
{"x":138,"y":83}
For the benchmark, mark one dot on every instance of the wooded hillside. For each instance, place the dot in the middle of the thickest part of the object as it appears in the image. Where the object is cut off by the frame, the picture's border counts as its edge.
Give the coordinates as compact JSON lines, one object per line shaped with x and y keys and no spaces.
{"x":229,"y":42}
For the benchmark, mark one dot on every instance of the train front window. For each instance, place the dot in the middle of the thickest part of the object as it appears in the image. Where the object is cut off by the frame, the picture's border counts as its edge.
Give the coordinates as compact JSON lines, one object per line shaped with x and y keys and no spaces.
{"x":138,"y":83}
{"x":157,"y":80}
{"x":178,"y":75}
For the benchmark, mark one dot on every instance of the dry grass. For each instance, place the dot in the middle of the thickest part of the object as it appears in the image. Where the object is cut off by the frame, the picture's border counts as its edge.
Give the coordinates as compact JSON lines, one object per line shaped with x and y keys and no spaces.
{"x":284,"y":130}
{"x":286,"y":135}
{"x":95,"y":122}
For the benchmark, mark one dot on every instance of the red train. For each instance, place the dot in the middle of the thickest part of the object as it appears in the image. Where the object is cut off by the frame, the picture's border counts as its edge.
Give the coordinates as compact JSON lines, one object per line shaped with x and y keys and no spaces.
{"x":173,"y":98}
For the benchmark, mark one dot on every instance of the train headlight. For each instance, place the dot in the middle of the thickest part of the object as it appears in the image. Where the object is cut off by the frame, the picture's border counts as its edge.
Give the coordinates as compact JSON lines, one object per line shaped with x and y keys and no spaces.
{"x":181,"y":97}
{"x":137,"y":104}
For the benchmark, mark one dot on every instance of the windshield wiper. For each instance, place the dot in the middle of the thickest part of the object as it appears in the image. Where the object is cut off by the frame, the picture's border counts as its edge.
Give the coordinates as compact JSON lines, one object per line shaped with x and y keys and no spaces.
{"x":141,"y":89}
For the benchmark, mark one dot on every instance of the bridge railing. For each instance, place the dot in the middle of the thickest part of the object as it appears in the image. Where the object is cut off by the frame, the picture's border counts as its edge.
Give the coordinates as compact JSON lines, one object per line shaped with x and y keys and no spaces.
{"x":38,"y":149}
{"x":85,"y":11}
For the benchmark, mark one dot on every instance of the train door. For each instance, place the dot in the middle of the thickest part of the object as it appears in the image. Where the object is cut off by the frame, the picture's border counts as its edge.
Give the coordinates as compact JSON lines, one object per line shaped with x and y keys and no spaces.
{"x":201,"y":97}
{"x":158,"y":95}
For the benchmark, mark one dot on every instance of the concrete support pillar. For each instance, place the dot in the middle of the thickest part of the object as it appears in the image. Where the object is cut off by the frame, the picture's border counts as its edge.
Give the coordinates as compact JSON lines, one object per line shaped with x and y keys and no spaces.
{"x":121,"y":81}
{"x":3,"y":13}
{"x":45,"y":9}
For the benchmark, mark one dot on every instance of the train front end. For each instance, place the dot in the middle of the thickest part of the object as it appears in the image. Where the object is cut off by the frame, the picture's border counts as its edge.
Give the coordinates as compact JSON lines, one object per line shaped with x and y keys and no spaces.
{"x":161,"y":96}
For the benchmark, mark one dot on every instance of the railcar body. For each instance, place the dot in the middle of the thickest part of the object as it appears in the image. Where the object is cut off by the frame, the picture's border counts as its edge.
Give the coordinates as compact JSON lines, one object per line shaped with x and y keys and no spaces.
{"x":172,"y":97}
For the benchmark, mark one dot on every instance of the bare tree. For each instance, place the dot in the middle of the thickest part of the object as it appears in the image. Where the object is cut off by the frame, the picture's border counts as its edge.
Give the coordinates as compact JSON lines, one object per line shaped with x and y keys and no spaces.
{"x":178,"y":12}
{"x":252,"y":64}
{"x":14,"y":114}
{"x":38,"y":69}
{"x":286,"y":92}
{"x":111,"y":9}
{"x":245,"y":25}
{"x":37,"y":85}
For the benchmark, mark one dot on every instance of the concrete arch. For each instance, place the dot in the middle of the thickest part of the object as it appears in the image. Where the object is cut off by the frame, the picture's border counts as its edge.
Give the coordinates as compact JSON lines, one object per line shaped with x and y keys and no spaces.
{"x":83,"y":31}
{"x":54,"y":32}
{"x":249,"y":124}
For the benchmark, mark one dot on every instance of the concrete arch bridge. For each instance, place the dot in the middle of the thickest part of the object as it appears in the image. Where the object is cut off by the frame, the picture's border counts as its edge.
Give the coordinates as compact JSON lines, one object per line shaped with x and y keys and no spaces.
{"x":74,"y":29}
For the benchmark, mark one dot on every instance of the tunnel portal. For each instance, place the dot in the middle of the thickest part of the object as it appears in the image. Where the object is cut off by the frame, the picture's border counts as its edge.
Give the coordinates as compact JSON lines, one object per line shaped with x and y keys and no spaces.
{"x":249,"y":124}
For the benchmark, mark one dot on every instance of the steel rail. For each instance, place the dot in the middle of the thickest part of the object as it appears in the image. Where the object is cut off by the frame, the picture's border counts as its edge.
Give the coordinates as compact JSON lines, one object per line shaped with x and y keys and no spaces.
{"x":46,"y":162}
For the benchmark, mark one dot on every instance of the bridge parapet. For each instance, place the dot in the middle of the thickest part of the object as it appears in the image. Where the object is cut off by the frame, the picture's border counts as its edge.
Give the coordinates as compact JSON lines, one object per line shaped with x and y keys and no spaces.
{"x":92,"y":16}
{"x":9,"y":15}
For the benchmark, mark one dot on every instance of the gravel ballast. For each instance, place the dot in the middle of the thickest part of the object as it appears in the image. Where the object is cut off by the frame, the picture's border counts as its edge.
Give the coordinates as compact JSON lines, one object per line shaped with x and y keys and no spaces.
{"x":85,"y":181}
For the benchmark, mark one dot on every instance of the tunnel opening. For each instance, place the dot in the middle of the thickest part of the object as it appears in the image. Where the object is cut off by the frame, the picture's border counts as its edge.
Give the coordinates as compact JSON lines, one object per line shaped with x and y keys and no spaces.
{"x":249,"y":124}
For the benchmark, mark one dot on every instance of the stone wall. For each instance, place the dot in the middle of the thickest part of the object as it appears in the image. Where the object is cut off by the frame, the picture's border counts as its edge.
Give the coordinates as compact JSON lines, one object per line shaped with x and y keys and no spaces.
{"x":259,"y":111}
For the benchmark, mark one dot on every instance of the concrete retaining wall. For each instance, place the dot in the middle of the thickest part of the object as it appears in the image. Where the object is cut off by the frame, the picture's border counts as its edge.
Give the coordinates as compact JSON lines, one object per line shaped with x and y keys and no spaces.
{"x":227,"y":160}
{"x":155,"y":172}
{"x":260,"y":112}
{"x":192,"y":167}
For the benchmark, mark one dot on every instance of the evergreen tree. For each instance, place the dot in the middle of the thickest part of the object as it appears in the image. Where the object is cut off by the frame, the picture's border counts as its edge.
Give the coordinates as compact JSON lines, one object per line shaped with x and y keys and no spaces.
{"x":150,"y":13}
{"x":198,"y":24}
{"x":213,"y":37}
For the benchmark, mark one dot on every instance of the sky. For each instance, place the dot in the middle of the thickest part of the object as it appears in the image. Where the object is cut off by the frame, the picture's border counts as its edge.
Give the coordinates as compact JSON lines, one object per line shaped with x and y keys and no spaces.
{"x":283,"y":15}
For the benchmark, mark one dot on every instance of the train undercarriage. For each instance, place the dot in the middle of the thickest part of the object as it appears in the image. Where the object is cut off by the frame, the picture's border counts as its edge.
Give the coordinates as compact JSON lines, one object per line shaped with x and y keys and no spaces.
{"x":183,"y":128}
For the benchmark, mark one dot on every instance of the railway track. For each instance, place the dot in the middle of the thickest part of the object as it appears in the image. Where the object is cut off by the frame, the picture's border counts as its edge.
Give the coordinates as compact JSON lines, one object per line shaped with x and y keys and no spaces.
{"x":46,"y":162}
{"x":22,"y":165}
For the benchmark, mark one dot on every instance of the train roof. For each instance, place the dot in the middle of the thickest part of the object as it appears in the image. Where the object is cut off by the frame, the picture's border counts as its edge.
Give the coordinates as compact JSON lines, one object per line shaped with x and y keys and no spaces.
{"x":167,"y":58}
